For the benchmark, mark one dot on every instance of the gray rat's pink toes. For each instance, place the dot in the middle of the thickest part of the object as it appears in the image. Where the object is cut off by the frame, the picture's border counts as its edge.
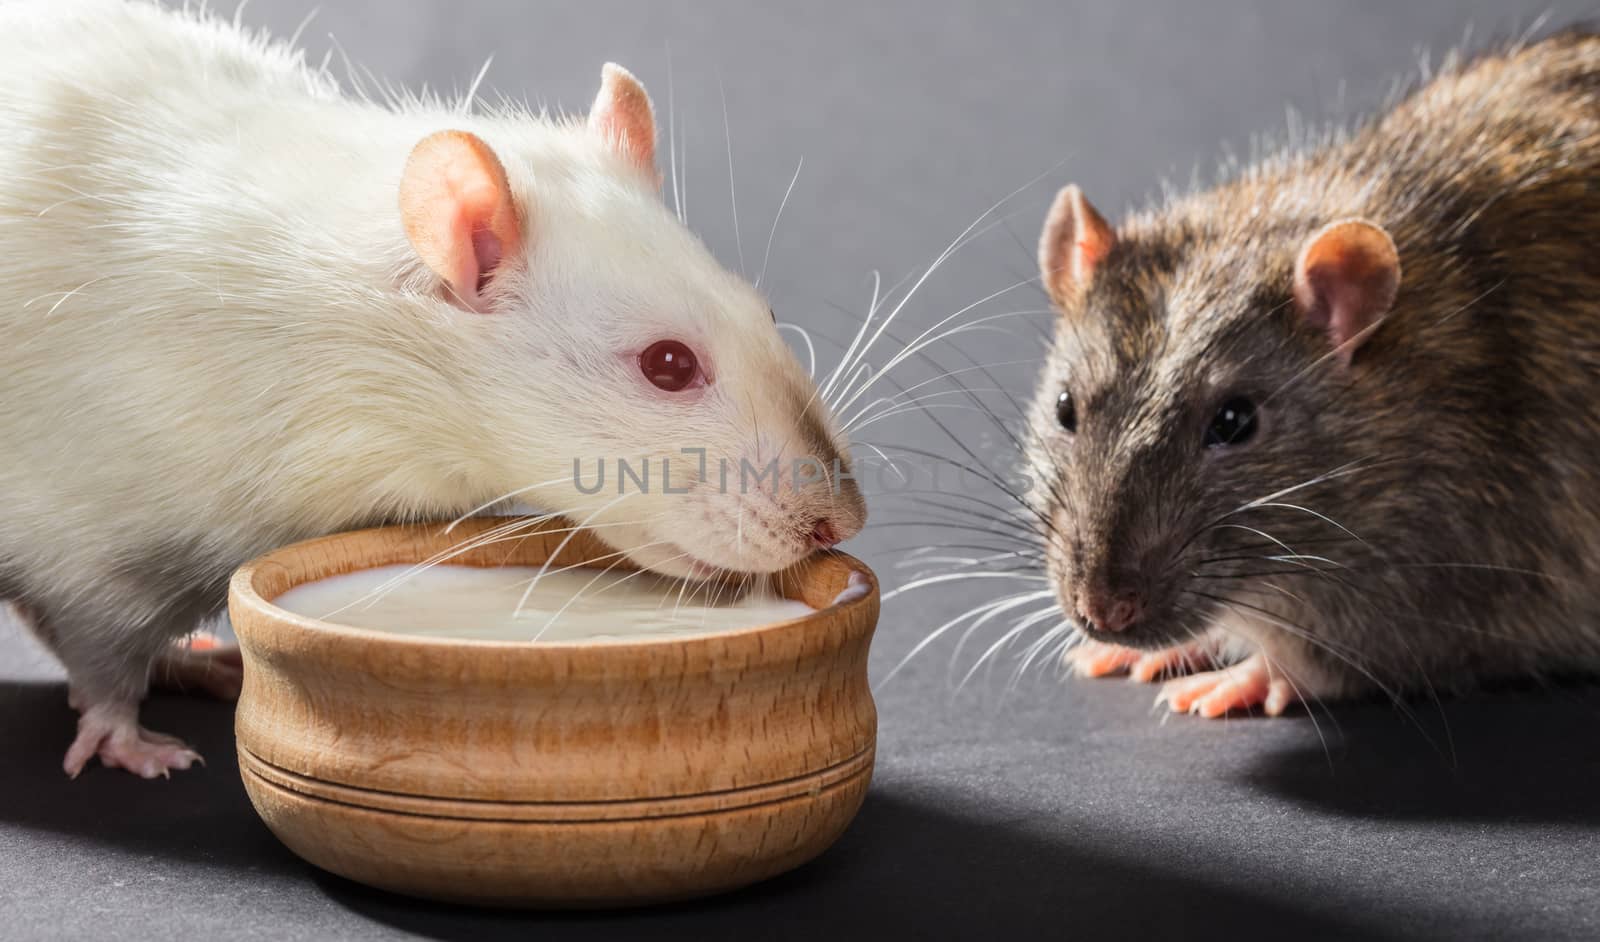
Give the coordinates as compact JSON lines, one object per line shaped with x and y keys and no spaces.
{"x":1249,"y":683}
{"x":1170,"y":662}
{"x":1098,"y":659}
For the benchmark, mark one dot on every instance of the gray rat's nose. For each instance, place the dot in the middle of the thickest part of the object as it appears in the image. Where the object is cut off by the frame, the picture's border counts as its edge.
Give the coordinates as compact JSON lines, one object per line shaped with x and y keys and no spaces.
{"x":1113,"y":615}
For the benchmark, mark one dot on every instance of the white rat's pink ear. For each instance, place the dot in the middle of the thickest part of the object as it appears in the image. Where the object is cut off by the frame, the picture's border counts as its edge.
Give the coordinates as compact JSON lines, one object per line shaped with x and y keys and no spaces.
{"x":1076,"y":239}
{"x":459,"y":213}
{"x":1346,"y":280}
{"x":623,"y":117}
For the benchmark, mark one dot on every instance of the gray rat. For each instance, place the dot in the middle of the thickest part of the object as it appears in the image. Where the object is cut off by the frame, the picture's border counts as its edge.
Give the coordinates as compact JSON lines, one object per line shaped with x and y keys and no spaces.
{"x":240,"y":308}
{"x":1333,"y":427}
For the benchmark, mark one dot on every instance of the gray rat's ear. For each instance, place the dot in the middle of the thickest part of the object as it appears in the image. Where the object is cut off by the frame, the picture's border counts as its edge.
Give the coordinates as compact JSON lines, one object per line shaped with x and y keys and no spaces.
{"x":459,"y":212}
{"x":1345,"y":281}
{"x":623,"y":117}
{"x":1076,"y":238}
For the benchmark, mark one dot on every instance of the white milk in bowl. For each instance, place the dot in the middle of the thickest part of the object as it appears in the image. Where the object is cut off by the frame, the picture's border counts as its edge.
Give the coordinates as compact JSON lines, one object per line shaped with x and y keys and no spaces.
{"x":518,"y":603}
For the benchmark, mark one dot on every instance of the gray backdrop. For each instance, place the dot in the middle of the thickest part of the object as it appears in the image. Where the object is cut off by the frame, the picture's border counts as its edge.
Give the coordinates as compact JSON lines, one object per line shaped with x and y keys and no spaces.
{"x":1018,"y":805}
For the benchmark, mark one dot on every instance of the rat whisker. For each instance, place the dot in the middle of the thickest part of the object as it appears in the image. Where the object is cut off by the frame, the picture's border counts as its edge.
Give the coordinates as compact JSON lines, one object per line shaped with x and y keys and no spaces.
{"x":953,"y":577}
{"x":1027,"y":622}
{"x":993,"y":554}
{"x":767,"y":256}
{"x":1009,"y":512}
{"x":1337,"y":651}
{"x":1288,"y":550}
{"x":1019,"y":599}
{"x":518,"y":528}
{"x":1035,"y":648}
{"x":931,"y":334}
{"x":733,"y":198}
{"x":515,"y":492}
{"x":672,"y":141}
{"x":1343,"y":470}
{"x":946,"y":254}
{"x":848,"y":394}
{"x":1054,"y":482}
{"x":972,"y":522}
{"x":1421,"y":671}
{"x":894,"y":405}
{"x":972,"y":567}
{"x":946,"y":525}
{"x":563,"y":545}
{"x":976,"y":469}
{"x":923,"y":408}
{"x":811,"y":349}
{"x":1025,"y":557}
{"x":899,"y":397}
{"x":1320,"y":516}
{"x":621,"y":559}
{"x":1311,"y":714}
{"x":825,"y":389}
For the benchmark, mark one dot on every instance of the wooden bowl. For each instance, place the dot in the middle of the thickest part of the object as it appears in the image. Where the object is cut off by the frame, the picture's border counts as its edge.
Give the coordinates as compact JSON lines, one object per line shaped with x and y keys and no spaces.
{"x":552,"y":774}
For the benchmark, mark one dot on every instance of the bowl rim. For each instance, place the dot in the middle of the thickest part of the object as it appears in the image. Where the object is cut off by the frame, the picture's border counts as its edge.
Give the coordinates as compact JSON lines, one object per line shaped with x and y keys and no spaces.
{"x":242,"y":590}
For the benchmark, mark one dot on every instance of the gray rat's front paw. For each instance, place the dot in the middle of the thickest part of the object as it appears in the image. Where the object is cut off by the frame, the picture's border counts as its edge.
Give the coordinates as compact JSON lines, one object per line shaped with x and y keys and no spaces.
{"x":1091,"y":658}
{"x":1250,"y":683}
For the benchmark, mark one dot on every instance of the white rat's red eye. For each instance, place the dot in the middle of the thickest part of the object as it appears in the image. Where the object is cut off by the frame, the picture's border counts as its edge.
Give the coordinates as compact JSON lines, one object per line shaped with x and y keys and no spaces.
{"x":669,"y":365}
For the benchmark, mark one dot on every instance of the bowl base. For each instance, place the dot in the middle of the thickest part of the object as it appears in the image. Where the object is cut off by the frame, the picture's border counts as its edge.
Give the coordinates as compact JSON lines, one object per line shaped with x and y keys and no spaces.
{"x":544,"y":856}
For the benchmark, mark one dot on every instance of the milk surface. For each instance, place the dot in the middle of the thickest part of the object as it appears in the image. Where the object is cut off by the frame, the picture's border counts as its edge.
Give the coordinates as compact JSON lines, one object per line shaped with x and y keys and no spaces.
{"x":488,"y":604}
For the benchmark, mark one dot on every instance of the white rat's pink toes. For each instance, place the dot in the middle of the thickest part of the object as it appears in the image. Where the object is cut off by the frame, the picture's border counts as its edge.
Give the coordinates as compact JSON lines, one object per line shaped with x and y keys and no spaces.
{"x":1098,"y":659}
{"x":112,"y":732}
{"x":1249,"y":683}
{"x":200,"y":664}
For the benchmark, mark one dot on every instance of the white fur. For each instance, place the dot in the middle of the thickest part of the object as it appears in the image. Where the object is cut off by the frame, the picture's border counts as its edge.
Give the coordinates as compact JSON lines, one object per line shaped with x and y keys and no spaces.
{"x":215,"y":338}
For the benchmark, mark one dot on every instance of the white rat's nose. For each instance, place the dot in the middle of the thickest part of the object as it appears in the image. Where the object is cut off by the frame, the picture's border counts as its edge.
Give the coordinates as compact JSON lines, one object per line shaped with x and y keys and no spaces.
{"x":840,"y":522}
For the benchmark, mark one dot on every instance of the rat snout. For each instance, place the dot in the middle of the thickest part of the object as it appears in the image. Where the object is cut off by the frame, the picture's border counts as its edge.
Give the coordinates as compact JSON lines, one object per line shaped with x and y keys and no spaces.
{"x":824,"y":535}
{"x":1112,"y":591}
{"x":1102,"y":610}
{"x":843,"y":518}
{"x":1118,"y":575}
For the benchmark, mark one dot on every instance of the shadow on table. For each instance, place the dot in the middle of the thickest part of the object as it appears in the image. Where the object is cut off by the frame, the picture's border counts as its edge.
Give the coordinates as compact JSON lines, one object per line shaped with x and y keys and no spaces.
{"x":1518,"y":753}
{"x":908,"y":869}
{"x":916,"y":863}
{"x":198,"y":815}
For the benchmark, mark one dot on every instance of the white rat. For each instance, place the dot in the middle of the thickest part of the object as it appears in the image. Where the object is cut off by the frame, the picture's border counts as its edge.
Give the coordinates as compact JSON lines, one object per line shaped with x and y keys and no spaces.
{"x":239,"y":309}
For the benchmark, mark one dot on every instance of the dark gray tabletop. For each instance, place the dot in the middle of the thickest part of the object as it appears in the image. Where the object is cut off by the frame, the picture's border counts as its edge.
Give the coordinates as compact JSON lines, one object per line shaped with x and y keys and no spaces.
{"x":1014,"y":804}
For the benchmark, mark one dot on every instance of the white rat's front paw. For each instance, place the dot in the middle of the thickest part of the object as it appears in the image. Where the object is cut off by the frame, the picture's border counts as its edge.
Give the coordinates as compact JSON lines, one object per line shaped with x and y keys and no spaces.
{"x":111,"y":731}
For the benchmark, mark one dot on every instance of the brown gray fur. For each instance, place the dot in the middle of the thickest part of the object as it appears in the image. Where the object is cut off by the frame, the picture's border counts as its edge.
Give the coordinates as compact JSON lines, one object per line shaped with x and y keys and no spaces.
{"x":1445,"y":483}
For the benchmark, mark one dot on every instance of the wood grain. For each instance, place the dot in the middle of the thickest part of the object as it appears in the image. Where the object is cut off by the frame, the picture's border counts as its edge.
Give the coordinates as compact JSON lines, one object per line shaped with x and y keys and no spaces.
{"x":560,"y":774}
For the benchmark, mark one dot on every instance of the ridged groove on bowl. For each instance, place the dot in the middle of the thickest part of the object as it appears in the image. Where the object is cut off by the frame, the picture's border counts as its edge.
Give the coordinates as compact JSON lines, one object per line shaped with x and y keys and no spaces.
{"x":566,"y":864}
{"x":556,"y":811}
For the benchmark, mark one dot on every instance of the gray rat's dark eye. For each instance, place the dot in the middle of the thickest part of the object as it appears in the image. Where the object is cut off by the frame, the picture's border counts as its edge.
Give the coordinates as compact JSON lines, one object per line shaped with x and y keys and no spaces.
{"x":1234,"y":423}
{"x":1066,"y":414}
